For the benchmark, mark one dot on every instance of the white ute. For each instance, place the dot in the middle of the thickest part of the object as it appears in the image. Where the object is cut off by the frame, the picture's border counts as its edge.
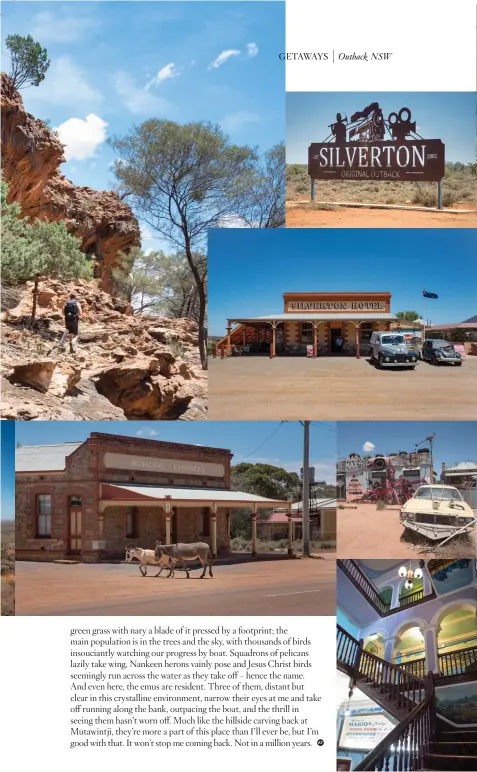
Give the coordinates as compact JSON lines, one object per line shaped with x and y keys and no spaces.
{"x":437,"y":512}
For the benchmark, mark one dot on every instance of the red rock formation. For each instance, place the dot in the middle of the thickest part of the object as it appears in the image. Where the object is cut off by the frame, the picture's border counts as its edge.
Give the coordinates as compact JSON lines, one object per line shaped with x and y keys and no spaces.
{"x":31,"y":156}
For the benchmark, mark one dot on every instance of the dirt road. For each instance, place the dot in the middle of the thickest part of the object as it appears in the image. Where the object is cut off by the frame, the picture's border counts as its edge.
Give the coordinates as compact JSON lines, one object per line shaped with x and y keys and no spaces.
{"x":343,"y":217}
{"x":367,"y":532}
{"x":335,"y":388}
{"x":304,"y":587}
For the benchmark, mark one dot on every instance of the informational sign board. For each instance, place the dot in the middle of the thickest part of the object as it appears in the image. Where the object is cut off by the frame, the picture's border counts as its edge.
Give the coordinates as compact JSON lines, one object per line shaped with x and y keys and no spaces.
{"x":410,"y":160}
{"x":164,"y":465}
{"x":364,"y":732}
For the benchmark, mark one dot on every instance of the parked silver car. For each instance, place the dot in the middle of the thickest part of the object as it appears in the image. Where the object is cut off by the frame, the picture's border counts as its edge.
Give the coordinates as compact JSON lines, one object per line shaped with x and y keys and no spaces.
{"x":440,"y":352}
{"x":389,"y":349}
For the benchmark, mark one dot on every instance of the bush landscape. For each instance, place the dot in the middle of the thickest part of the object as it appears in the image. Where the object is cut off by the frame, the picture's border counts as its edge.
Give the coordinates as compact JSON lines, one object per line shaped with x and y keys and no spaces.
{"x":459,"y":187}
{"x":8,"y":567}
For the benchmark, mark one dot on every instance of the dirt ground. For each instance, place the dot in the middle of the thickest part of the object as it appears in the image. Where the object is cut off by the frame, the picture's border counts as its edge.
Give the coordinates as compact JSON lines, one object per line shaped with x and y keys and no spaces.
{"x":367,"y":532}
{"x":339,"y":388}
{"x":343,"y":217}
{"x":301,"y":587}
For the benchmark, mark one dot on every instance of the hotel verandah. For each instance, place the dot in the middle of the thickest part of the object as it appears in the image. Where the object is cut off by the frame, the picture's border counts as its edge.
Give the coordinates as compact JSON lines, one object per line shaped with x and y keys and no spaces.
{"x":310,"y":324}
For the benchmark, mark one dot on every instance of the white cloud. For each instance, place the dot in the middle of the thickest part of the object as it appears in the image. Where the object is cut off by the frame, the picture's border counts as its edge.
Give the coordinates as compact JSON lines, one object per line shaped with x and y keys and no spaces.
{"x":81,"y":136}
{"x":222,"y":57}
{"x":48,"y":28}
{"x":169,"y":71}
{"x":146,"y":433}
{"x":252,"y":50}
{"x":237,"y":121}
{"x":138,"y":100}
{"x":368,"y":447}
{"x":66,"y":85}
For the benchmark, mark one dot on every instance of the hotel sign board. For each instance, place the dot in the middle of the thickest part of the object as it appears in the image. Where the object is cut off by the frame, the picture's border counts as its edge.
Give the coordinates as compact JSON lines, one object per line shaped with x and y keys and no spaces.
{"x":162,"y":465}
{"x":410,"y":160}
{"x":339,"y":305}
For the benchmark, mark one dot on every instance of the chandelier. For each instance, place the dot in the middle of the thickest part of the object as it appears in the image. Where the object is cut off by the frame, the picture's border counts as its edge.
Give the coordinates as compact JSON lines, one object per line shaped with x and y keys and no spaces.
{"x":409,"y":574}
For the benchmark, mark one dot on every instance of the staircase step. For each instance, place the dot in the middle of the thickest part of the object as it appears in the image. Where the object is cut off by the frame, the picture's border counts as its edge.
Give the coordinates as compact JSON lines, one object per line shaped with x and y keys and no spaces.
{"x":447,"y":762}
{"x":458,"y":735}
{"x":453,"y":747}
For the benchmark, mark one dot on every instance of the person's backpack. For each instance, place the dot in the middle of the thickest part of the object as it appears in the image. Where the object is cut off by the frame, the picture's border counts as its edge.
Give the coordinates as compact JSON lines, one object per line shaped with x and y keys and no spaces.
{"x":71,"y":310}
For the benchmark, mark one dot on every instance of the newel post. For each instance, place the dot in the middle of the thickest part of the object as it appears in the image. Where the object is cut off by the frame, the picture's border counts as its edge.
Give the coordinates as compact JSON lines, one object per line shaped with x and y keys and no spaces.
{"x":357,"y":661}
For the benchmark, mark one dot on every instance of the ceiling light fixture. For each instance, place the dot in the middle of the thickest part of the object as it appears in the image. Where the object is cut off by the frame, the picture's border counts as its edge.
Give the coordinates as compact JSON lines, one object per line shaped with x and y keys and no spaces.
{"x":409,"y":574}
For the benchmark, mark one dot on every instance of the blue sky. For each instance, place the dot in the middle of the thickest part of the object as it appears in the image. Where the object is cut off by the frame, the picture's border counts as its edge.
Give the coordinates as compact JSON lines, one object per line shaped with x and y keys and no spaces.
{"x":117,"y":64}
{"x":250,"y":270}
{"x":449,"y":116}
{"x":7,"y":438}
{"x":271,"y":442}
{"x":454,"y":441}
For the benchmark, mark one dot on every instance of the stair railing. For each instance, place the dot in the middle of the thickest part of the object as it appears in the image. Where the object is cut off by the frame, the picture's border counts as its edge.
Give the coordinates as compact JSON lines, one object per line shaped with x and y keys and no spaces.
{"x":415,"y":666}
{"x":457,"y":662}
{"x":348,"y":650}
{"x":405,"y":746}
{"x":402,"y":689}
{"x":364,"y":585}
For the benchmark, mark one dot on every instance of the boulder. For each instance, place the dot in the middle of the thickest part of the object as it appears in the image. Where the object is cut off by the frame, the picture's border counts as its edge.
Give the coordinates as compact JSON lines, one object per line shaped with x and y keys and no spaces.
{"x":37,"y":374}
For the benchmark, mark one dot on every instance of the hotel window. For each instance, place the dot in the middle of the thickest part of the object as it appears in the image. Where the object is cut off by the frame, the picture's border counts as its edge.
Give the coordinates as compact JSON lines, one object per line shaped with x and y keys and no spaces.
{"x":43,"y":516}
{"x":205,"y":528}
{"x":131,"y":522}
{"x":307,"y":332}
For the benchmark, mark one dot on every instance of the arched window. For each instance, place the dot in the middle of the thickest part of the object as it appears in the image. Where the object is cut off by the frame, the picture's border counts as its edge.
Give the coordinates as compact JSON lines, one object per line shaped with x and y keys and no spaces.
{"x":457,"y":641}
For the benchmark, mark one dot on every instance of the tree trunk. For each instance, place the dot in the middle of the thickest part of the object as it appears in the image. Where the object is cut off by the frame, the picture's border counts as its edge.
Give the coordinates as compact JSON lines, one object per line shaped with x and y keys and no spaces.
{"x":202,"y":298}
{"x":35,"y":297}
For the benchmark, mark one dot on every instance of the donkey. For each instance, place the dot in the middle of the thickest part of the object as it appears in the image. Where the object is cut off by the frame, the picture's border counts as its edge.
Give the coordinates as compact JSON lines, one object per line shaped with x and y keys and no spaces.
{"x":147,"y":558}
{"x":179,"y":553}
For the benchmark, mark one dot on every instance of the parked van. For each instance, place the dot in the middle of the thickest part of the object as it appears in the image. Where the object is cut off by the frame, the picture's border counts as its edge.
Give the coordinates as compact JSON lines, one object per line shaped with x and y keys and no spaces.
{"x":389,"y":349}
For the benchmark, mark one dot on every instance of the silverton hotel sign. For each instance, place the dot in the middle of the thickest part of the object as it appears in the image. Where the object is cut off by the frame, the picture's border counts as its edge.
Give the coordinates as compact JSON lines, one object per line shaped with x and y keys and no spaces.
{"x":370,"y":147}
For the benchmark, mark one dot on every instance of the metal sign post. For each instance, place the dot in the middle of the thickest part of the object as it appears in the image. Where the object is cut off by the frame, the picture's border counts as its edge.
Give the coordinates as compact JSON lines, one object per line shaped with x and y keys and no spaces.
{"x":313,"y":190}
{"x":439,"y":194}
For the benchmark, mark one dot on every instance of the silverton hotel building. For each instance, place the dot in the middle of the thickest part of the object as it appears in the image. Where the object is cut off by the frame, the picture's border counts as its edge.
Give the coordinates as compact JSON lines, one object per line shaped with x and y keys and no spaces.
{"x":91,"y":499}
{"x":311,"y":322}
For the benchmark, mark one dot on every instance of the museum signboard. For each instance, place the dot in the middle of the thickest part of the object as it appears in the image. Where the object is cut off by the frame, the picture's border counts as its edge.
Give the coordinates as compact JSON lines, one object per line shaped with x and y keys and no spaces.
{"x":410,"y":160}
{"x":162,"y":465}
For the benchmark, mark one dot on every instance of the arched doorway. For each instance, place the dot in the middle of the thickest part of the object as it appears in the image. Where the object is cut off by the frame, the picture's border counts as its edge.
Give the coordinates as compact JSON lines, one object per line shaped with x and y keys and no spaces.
{"x":457,"y":640}
{"x":410,"y":649}
{"x":415,"y":593}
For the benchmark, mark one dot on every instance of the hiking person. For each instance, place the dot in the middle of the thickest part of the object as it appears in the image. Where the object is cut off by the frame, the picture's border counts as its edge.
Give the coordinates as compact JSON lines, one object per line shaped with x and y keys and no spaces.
{"x":72,"y":312}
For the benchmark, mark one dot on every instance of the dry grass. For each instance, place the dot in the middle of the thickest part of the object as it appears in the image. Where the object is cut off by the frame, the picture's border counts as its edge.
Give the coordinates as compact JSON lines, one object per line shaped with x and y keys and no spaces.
{"x":8,"y":567}
{"x":459,"y":187}
{"x":278,"y":545}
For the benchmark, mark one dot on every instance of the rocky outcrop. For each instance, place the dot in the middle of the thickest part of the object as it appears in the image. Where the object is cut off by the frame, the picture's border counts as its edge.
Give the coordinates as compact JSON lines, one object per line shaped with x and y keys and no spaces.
{"x":31,"y":156}
{"x":131,"y":367}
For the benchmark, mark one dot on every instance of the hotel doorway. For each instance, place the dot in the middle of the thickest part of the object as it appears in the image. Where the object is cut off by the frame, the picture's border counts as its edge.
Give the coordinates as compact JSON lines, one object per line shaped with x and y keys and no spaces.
{"x":336,"y":340}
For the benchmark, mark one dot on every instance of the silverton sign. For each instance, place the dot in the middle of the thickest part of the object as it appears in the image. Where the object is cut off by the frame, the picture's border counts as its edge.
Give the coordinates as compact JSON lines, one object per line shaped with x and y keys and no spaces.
{"x":339,"y":305}
{"x":410,"y":160}
{"x":164,"y":465}
{"x":368,"y":146}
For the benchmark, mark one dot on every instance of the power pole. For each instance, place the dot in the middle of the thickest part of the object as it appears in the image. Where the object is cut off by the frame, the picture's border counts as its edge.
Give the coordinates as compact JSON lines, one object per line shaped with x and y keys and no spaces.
{"x":306,"y":490}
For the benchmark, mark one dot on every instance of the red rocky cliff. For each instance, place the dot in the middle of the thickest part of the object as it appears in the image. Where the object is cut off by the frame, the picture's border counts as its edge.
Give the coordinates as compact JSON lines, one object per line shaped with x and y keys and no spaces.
{"x":31,"y":156}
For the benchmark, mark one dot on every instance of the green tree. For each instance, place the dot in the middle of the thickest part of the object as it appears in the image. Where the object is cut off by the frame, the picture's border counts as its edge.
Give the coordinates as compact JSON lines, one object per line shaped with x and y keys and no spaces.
{"x":407,"y":316}
{"x":263,"y":203}
{"x":29,"y":62}
{"x":32,"y":250}
{"x":266,"y":480}
{"x":182,"y":180}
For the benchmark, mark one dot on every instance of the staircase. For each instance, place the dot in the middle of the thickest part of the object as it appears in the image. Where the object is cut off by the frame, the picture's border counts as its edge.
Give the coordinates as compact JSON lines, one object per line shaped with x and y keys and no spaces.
{"x":453,"y":749}
{"x":421,"y":740}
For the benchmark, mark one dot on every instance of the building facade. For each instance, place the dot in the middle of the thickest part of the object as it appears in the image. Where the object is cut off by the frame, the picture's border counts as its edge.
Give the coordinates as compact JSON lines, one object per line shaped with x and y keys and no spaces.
{"x":92,"y":499}
{"x":313,"y":324}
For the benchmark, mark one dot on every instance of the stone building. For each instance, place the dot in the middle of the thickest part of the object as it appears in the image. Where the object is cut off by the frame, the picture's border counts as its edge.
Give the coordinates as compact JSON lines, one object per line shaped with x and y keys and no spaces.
{"x":92,"y":499}
{"x":314,"y":323}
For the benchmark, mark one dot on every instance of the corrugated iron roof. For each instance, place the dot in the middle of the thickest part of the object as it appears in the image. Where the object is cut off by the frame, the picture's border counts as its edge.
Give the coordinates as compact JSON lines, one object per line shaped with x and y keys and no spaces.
{"x":315,"y":504}
{"x":192,"y":494}
{"x":43,"y":458}
{"x":328,"y":317}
